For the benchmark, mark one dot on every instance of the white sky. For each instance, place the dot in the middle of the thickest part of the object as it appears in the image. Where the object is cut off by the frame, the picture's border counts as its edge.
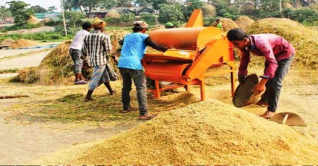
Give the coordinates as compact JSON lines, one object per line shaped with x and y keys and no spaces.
{"x":42,"y":3}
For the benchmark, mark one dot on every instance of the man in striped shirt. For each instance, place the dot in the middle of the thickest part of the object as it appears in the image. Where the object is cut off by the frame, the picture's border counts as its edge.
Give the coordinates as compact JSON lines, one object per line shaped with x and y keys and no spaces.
{"x":96,"y":47}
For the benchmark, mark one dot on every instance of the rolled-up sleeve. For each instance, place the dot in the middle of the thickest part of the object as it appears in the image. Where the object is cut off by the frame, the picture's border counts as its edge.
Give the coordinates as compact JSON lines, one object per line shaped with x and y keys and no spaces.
{"x":245,"y":59}
{"x":107,"y":44}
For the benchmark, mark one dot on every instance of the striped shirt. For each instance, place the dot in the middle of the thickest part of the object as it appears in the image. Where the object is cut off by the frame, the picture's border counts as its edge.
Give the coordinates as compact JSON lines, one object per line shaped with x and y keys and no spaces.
{"x":96,"y":47}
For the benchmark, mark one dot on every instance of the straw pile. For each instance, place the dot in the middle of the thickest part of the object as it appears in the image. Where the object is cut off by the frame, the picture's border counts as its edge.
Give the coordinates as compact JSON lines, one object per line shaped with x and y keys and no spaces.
{"x":244,"y":22}
{"x":20,"y":43}
{"x":7,"y":42}
{"x":112,"y":14}
{"x":208,"y":10}
{"x":304,"y":39}
{"x":287,"y":5}
{"x":57,"y":67}
{"x":228,"y":24}
{"x":33,"y":20}
{"x":208,"y":132}
{"x":248,"y":7}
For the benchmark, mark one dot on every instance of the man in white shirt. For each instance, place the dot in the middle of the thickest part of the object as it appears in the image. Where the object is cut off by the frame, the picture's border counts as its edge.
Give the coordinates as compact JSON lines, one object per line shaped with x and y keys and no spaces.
{"x":76,"y":54}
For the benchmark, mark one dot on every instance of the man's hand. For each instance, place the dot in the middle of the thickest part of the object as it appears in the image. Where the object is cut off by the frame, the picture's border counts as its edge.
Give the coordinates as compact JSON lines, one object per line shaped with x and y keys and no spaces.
{"x":260,"y":87}
{"x":115,"y":59}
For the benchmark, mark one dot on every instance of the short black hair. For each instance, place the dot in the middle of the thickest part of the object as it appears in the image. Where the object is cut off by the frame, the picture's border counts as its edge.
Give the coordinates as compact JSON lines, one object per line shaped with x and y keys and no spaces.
{"x":86,"y":25}
{"x":217,"y":20}
{"x":236,"y":34}
{"x":138,"y":29}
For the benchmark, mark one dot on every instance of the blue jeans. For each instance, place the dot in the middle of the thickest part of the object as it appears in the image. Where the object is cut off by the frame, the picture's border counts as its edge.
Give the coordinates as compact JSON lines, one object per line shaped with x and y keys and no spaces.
{"x":78,"y":61}
{"x":140,"y":82}
{"x":274,"y":85}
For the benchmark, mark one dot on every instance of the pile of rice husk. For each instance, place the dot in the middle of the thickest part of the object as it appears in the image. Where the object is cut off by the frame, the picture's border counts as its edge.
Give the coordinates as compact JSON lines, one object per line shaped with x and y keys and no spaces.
{"x":112,"y":14}
{"x":228,"y":24}
{"x":58,"y":68}
{"x":304,"y":39}
{"x":208,"y":10}
{"x":20,"y":43}
{"x":208,"y":132}
{"x":7,"y":42}
{"x":244,"y":22}
{"x":33,"y":20}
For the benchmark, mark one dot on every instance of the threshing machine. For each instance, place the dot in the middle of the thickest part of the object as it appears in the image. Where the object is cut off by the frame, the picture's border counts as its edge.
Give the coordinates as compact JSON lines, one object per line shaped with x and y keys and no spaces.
{"x":194,"y":49}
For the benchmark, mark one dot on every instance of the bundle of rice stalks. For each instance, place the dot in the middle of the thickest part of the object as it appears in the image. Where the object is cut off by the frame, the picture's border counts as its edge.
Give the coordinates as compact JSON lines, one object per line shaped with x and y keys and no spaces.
{"x":287,"y":5}
{"x":57,"y":67}
{"x":228,"y":24}
{"x":248,"y":7}
{"x":20,"y":43}
{"x":112,"y":14}
{"x":304,"y":39}
{"x":207,"y":132}
{"x":208,"y":10}
{"x":7,"y":42}
{"x":244,"y":22}
{"x":33,"y":20}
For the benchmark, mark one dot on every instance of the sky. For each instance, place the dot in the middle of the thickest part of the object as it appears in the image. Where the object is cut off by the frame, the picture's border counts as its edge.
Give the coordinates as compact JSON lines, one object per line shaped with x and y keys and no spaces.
{"x":43,"y":3}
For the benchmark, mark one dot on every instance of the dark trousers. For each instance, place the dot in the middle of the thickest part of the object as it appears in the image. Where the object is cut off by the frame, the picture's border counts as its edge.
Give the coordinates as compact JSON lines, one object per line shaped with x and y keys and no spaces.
{"x":274,"y":85}
{"x":140,"y":82}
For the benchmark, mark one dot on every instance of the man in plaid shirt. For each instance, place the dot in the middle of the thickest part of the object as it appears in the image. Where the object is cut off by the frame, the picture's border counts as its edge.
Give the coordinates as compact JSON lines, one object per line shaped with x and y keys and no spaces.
{"x":96,"y":47}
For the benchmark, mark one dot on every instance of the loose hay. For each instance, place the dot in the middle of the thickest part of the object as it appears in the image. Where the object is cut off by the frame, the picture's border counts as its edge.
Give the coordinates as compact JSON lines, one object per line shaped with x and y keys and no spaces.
{"x":304,"y":39}
{"x":208,"y":132}
{"x":20,"y":43}
{"x":7,"y":42}
{"x":244,"y":22}
{"x":228,"y":24}
{"x":112,"y":14}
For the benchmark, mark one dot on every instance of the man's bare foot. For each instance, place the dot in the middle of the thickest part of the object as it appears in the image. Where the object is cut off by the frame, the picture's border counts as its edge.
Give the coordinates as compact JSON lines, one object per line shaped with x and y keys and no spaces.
{"x":262,"y":103}
{"x":268,"y":114}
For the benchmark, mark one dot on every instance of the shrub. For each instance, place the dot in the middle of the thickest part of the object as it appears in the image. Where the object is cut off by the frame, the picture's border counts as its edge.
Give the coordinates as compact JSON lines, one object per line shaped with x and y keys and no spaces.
{"x":149,"y":18}
{"x":303,"y":15}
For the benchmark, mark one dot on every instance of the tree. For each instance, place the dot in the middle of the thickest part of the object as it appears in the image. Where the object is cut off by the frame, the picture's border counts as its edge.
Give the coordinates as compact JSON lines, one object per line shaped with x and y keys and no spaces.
{"x":124,"y":3}
{"x":38,"y":9}
{"x":51,"y":8}
{"x":19,"y":12}
{"x":74,"y":18}
{"x":190,"y":6}
{"x":171,"y":13}
{"x":4,"y":12}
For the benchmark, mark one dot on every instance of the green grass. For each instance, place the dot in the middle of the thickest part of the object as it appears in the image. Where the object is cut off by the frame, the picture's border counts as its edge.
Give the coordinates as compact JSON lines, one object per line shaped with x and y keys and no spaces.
{"x":24,"y":54}
{"x":17,"y":27}
{"x":42,"y":36}
{"x":5,"y":71}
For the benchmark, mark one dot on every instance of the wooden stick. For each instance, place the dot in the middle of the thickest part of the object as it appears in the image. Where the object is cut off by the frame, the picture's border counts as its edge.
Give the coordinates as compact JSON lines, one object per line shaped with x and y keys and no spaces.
{"x":14,"y":96}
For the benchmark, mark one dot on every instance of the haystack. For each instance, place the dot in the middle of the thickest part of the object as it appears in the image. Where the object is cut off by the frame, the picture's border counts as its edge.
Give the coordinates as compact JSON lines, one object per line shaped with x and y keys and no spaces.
{"x":287,"y":5}
{"x":208,"y":10}
{"x":248,"y":7}
{"x":244,"y":22}
{"x":7,"y":42}
{"x":112,"y":14}
{"x":228,"y":24}
{"x":208,"y":132}
{"x":304,"y":39}
{"x":20,"y":43}
{"x":33,"y":20}
{"x":57,"y":67}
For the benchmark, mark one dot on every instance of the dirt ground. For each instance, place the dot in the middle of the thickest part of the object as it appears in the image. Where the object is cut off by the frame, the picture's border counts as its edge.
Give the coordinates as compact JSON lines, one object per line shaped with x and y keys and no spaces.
{"x":56,"y":116}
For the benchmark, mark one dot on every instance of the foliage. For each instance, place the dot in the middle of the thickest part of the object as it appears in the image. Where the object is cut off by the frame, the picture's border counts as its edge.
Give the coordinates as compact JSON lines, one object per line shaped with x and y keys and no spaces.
{"x":17,"y":27}
{"x":171,"y":13}
{"x":149,"y":18}
{"x":127,"y":17}
{"x":74,"y":18}
{"x":302,"y":15}
{"x":42,"y":36}
{"x":191,"y":5}
{"x":38,"y":9}
{"x":209,"y":20}
{"x":19,"y":12}
{"x":4,"y":13}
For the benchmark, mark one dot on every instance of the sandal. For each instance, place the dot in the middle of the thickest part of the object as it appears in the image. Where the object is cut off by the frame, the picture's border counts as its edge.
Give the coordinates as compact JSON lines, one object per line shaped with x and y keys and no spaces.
{"x":80,"y":82}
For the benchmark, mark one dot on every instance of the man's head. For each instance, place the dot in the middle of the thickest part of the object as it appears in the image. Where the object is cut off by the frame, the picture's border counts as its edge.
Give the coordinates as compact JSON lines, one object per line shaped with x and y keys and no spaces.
{"x":87,"y":26}
{"x":99,"y":24}
{"x":217,"y":20}
{"x":169,"y":25}
{"x":238,"y":38}
{"x":140,"y":26}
